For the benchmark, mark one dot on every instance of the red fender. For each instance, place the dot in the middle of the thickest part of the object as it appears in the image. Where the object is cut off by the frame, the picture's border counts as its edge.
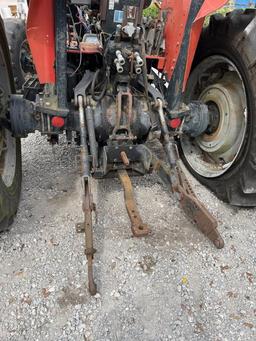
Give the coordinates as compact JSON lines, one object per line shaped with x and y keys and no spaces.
{"x":41,"y":38}
{"x":176,"y":15}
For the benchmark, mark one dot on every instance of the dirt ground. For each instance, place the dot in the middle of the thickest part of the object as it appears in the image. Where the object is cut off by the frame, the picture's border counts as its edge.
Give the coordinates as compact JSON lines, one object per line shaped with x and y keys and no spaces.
{"x":171,"y":285}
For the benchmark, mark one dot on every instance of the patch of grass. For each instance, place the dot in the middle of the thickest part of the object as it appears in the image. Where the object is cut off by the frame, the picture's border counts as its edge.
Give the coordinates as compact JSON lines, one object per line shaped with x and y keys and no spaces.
{"x":152,"y":11}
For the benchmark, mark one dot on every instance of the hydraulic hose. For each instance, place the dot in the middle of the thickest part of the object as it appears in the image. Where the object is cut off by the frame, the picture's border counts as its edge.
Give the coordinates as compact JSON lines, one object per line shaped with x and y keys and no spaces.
{"x":93,"y":87}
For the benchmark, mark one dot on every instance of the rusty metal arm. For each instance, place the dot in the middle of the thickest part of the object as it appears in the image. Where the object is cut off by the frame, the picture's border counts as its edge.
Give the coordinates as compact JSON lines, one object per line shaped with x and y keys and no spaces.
{"x":139,"y":229}
{"x":88,"y":206}
{"x":173,"y":176}
{"x":193,"y":208}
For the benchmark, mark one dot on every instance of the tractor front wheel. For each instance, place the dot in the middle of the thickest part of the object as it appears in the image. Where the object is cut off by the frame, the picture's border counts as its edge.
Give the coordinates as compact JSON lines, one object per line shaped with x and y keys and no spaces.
{"x":224,"y":77}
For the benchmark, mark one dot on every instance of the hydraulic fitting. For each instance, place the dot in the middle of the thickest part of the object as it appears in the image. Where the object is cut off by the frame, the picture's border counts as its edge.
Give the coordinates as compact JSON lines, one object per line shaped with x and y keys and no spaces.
{"x":119,"y":67}
{"x":120,"y":57}
{"x":139,"y":60}
{"x":138,"y":70}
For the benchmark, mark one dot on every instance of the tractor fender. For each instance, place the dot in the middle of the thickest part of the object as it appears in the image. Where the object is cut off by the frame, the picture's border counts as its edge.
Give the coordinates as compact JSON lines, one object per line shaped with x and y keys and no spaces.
{"x":208,"y":7}
{"x":176,"y":15}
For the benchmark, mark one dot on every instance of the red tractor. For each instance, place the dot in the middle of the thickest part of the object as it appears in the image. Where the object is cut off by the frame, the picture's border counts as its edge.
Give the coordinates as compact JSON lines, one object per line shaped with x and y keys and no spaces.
{"x":134,"y":93}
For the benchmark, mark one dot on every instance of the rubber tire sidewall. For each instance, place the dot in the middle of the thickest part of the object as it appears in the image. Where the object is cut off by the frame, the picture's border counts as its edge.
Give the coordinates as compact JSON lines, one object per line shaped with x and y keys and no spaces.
{"x":10,"y":196}
{"x":16,"y":35}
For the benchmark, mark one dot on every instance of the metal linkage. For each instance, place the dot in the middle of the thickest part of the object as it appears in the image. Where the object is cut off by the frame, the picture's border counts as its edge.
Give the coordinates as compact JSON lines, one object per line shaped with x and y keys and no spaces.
{"x":88,"y":205}
{"x":124,"y":104}
{"x":174,"y":178}
{"x":139,"y":229}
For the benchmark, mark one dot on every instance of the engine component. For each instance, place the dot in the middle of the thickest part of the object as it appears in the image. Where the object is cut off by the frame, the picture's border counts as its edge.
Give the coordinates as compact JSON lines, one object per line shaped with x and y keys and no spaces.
{"x":91,"y":44}
{"x":119,"y":67}
{"x":125,"y":13}
{"x":22,"y":116}
{"x":139,"y":60}
{"x":197,"y":120}
{"x":105,"y":119}
{"x":138,"y":70}
{"x":120,"y":57}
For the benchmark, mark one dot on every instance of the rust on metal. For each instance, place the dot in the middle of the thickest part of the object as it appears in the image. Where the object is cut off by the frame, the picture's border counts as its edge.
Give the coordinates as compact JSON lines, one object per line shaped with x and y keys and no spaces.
{"x":139,"y":229}
{"x":124,"y":158}
{"x":89,"y":250}
{"x":88,"y":206}
{"x":175,"y":179}
{"x":124,"y":115}
{"x":196,"y":211}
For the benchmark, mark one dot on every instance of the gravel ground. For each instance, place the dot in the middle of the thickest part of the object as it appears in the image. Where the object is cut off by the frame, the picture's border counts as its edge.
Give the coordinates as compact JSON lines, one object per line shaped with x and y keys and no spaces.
{"x":172,"y":285}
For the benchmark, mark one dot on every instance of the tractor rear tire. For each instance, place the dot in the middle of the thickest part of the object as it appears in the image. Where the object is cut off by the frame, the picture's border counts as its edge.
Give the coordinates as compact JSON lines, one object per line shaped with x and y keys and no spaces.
{"x":17,"y":41}
{"x":10,"y":148}
{"x":230,"y":43}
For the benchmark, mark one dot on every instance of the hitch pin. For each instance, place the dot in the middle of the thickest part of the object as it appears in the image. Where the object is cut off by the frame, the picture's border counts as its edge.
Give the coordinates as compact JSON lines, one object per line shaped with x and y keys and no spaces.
{"x":125,"y":159}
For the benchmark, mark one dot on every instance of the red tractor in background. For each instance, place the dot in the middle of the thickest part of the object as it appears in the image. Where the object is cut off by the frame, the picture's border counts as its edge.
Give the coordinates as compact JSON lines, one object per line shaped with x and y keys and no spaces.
{"x":135,"y":93}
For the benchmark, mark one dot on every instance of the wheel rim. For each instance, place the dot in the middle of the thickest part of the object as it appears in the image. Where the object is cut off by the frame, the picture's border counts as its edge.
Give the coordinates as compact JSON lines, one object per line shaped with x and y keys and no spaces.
{"x":218,"y":83}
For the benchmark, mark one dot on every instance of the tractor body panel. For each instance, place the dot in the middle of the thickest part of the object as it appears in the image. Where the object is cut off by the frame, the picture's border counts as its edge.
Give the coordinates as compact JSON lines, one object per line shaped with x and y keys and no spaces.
{"x":176,"y":15}
{"x":183,"y":26}
{"x":41,"y":37}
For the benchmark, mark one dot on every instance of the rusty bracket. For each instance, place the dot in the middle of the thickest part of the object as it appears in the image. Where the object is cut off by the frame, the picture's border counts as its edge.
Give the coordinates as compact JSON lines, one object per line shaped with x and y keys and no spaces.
{"x":176,"y":181}
{"x":139,"y":229}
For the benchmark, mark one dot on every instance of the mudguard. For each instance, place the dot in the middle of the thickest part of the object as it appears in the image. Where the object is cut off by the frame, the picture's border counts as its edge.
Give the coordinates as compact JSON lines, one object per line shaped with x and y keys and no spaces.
{"x":184,"y":21}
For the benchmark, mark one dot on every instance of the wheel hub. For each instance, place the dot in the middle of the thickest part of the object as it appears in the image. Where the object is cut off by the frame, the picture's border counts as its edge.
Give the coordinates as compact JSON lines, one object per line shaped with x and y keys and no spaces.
{"x":213,"y":153}
{"x":226,"y":122}
{"x":214,"y":116}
